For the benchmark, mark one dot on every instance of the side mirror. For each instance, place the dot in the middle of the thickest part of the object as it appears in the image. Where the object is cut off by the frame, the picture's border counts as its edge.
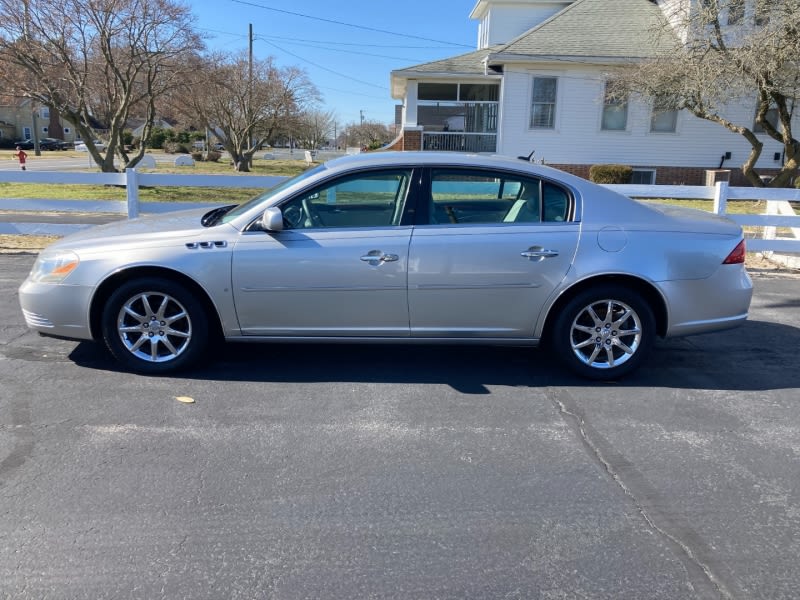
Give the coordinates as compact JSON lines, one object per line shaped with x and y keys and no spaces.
{"x":272,"y":219}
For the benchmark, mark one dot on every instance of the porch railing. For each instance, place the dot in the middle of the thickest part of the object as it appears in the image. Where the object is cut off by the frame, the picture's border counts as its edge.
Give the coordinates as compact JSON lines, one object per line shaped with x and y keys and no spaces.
{"x":459,"y":141}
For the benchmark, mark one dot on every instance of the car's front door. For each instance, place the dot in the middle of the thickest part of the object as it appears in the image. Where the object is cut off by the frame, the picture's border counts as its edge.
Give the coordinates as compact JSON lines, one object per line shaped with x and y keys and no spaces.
{"x":339,"y":268}
{"x":494,"y":250}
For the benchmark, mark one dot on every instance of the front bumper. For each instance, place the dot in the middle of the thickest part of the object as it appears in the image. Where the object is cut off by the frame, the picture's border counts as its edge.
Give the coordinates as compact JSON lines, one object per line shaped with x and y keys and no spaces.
{"x":56,"y":309}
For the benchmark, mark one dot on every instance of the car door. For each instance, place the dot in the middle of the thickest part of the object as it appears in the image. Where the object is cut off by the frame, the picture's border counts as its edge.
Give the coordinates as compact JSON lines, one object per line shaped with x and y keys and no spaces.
{"x":339,"y":268}
{"x":495,"y":247}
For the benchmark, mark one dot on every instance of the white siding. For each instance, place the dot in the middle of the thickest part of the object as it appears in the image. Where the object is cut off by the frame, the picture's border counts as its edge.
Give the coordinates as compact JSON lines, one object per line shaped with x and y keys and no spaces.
{"x":676,"y":12}
{"x":504,"y":22}
{"x":578,"y":138}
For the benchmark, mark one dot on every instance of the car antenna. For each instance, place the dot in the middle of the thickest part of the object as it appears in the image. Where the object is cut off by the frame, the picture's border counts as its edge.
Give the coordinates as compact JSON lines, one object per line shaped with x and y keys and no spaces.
{"x":528,"y":158}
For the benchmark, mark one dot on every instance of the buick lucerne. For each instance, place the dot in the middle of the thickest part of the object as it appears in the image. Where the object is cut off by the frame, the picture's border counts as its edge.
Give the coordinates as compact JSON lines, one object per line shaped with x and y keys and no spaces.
{"x":400,"y":247}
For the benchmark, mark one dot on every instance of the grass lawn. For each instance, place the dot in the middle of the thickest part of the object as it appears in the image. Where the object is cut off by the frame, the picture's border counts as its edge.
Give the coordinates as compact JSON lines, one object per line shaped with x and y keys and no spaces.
{"x":154,"y":194}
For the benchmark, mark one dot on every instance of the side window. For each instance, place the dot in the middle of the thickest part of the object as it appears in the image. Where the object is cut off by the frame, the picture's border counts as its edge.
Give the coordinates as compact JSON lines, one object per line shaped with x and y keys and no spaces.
{"x":555,"y":201}
{"x":373,"y":199}
{"x":467,"y":196}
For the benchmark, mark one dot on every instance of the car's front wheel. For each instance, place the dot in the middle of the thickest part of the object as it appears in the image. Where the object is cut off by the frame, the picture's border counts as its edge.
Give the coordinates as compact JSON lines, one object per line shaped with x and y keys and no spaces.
{"x":153,"y":325}
{"x":604,"y":332}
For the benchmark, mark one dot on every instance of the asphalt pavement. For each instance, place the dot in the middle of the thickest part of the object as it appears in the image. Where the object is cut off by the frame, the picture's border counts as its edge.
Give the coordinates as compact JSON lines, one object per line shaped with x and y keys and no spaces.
{"x":309,"y":471}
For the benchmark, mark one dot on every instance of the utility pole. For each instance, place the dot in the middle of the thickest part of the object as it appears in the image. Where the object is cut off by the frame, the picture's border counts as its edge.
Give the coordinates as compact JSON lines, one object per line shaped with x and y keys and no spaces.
{"x":362,"y":115}
{"x":250,"y":87}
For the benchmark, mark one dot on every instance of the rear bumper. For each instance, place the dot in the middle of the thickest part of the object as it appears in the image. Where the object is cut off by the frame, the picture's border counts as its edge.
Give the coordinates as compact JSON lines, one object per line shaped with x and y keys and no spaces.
{"x":719,"y":302}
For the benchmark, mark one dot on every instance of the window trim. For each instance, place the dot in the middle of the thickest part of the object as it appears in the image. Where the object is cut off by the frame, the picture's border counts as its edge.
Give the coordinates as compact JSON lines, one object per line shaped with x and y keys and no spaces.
{"x":425,"y":197}
{"x":652,"y":172}
{"x":606,"y":105}
{"x":655,"y":111}
{"x":554,"y":117}
{"x":408,"y":201}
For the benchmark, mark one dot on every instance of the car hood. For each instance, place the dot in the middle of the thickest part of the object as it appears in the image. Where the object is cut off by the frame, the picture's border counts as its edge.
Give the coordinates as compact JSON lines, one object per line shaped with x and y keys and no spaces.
{"x":147,"y":230}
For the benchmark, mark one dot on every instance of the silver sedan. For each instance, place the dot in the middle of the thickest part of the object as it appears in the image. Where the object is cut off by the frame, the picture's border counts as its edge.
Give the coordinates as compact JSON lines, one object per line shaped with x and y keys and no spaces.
{"x":405,"y":248}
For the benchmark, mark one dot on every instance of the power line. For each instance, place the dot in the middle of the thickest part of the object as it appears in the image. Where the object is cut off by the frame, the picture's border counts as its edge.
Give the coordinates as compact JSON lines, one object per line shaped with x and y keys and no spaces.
{"x":297,"y":56}
{"x":360,"y":44}
{"x":320,"y":46}
{"x":364,"y":27}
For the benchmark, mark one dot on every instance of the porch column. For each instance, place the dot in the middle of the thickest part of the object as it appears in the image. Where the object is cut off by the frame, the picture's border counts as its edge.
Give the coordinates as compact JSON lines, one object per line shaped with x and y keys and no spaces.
{"x":411,"y":104}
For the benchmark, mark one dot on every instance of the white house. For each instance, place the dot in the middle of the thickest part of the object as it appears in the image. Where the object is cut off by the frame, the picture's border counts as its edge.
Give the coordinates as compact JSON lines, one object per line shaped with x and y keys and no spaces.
{"x":536,"y":83}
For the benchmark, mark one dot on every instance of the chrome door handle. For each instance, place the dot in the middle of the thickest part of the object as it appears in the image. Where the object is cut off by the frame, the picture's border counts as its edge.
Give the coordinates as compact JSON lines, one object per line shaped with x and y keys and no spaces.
{"x":538,"y":253}
{"x":375,"y":257}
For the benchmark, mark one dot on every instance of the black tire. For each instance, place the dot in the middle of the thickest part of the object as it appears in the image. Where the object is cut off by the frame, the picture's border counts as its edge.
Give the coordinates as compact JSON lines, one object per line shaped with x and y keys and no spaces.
{"x":153,"y":326}
{"x":604,"y":332}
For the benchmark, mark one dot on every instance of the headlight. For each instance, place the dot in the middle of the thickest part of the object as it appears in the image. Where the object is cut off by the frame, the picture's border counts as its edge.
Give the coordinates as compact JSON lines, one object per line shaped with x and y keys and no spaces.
{"x":54,"y":267}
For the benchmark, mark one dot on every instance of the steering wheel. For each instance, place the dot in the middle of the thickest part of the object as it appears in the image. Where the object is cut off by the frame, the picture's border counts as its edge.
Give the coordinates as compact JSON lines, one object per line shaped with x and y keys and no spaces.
{"x":312,"y":217}
{"x":293,"y":216}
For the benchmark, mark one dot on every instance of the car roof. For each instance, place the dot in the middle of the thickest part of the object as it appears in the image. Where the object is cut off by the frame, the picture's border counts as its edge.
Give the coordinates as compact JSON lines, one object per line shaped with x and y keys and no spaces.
{"x":431,"y":158}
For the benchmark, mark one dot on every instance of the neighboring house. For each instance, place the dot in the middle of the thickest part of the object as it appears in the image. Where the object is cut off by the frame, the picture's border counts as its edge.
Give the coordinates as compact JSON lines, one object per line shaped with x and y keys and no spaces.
{"x":137,"y":126}
{"x":537,"y":84}
{"x":19,"y":118}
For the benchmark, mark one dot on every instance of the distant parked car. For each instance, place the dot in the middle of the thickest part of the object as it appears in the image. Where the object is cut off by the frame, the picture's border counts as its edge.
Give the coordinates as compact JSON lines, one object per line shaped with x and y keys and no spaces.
{"x":44,"y":144}
{"x":81,"y":146}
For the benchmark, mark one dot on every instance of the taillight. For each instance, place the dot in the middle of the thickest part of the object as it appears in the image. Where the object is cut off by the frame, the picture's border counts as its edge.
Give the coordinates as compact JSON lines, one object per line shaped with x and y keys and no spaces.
{"x":736,"y":257}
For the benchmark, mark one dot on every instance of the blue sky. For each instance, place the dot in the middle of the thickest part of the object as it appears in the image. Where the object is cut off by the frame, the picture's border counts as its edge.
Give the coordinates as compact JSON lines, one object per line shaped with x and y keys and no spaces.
{"x":338,"y":45}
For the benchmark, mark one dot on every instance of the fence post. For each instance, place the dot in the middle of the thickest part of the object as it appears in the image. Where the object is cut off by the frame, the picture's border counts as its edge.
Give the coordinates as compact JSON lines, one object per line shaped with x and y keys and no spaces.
{"x":132,"y":189}
{"x":721,"y":197}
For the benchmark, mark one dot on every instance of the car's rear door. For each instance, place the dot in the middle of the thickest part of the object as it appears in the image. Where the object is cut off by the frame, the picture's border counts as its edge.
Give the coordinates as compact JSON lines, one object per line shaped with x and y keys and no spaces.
{"x":495,"y":247}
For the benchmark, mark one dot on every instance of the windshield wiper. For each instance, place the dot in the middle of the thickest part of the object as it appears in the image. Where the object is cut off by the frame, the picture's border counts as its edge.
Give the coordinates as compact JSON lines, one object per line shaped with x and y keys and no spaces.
{"x":212,"y":217}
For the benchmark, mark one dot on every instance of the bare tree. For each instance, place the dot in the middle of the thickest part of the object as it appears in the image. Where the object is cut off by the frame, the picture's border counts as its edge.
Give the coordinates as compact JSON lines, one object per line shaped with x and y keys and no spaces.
{"x":726,"y":52}
{"x":369,"y":134}
{"x":314,"y":128}
{"x":246,"y":105}
{"x":95,"y":62}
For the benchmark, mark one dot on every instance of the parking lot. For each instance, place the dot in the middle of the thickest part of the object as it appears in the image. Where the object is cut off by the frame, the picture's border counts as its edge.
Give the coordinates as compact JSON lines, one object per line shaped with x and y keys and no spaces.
{"x":312,"y":471}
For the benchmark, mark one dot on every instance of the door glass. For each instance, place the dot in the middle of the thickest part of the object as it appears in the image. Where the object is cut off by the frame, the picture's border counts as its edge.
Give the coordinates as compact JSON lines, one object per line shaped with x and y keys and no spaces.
{"x":374,"y":199}
{"x":467,"y":196}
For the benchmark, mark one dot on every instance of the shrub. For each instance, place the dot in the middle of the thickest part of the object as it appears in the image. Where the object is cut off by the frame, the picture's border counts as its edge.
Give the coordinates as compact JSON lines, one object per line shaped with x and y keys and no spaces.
{"x":171,"y":147}
{"x":610,"y":173}
{"x":213,"y":156}
{"x":197,"y":156}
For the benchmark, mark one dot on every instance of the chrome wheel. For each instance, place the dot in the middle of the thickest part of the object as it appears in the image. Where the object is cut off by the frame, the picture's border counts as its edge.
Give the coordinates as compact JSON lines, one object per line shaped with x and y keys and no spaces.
{"x":606,"y":334}
{"x":154,"y":327}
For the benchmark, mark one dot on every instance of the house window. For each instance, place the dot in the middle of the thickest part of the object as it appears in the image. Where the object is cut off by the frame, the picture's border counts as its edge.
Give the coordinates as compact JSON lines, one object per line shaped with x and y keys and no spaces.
{"x":26,"y":133}
{"x":44,"y":130}
{"x":44,"y":112}
{"x":479,"y":92}
{"x":67,"y":130}
{"x":664,"y":118}
{"x":437,"y":91}
{"x":771,"y":117}
{"x":643,"y":177}
{"x":543,"y":104}
{"x":735,"y":12}
{"x":615,"y":111}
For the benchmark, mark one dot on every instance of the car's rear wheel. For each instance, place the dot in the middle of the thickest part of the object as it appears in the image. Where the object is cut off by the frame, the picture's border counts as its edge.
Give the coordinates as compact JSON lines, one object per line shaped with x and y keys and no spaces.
{"x":604,"y":332}
{"x":153,"y":325}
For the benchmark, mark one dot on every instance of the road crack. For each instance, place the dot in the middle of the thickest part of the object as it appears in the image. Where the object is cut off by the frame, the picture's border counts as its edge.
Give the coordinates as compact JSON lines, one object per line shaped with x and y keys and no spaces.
{"x":707,"y":576}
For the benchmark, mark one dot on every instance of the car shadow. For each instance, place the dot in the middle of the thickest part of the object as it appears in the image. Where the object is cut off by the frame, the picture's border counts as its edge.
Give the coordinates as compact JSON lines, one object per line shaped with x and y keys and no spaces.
{"x":753,"y":357}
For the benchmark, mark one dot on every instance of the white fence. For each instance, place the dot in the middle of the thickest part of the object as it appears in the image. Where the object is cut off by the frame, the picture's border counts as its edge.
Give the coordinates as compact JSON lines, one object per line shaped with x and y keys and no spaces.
{"x":779,"y":213}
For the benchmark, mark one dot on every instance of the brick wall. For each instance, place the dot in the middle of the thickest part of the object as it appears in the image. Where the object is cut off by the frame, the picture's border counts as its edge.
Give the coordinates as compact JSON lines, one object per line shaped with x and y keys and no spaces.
{"x":674,"y":175}
{"x":411,"y":139}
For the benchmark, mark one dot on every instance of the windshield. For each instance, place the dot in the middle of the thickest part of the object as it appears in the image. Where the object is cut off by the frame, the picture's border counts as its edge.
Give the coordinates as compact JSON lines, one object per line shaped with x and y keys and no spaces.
{"x":245,"y":206}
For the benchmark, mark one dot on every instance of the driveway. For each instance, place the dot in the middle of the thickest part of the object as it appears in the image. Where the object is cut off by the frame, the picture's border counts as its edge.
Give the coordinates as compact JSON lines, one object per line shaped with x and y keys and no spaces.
{"x":403,"y":472}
